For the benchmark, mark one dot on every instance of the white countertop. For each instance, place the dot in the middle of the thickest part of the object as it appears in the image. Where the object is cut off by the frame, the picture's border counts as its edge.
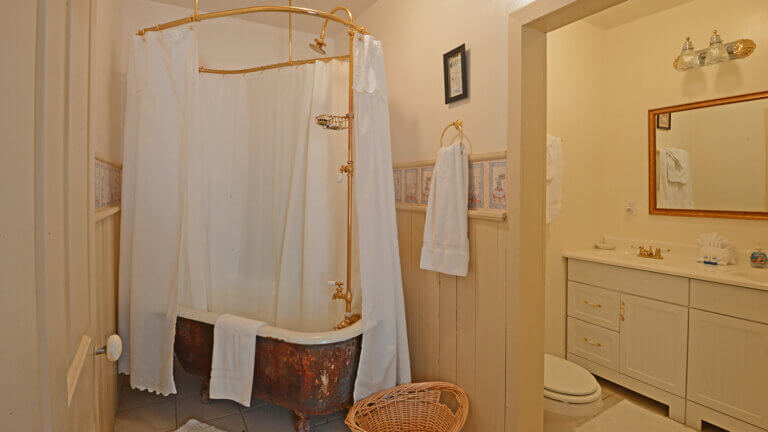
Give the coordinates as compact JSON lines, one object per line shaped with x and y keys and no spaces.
{"x":677,"y":265}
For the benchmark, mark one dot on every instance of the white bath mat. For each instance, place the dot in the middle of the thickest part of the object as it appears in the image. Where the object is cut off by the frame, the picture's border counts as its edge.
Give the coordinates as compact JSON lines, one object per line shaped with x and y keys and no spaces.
{"x":627,"y":417}
{"x":195,"y":426}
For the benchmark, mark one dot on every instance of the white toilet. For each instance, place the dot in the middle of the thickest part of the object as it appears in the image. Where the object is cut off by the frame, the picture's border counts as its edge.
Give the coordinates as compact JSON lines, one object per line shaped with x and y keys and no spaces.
{"x":570,"y":393}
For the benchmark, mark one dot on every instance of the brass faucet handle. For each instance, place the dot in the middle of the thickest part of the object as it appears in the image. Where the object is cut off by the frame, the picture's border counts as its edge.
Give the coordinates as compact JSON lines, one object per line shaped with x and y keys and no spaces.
{"x":348,"y":168}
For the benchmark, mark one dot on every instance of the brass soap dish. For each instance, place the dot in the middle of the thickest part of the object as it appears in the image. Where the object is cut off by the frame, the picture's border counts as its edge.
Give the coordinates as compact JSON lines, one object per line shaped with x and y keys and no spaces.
{"x":333,"y":122}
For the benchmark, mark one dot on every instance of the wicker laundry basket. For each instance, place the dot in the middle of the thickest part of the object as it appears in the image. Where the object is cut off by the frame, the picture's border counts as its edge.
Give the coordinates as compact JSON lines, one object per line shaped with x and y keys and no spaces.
{"x":429,"y":406}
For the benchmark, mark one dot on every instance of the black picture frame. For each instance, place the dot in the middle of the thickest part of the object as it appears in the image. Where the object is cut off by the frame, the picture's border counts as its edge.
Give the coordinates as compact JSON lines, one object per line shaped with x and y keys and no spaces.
{"x":451,"y":96}
{"x":666,"y":124}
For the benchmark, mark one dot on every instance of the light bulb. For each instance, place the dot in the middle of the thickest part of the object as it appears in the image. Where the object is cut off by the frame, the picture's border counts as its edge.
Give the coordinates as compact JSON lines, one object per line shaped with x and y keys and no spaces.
{"x":687,"y":58}
{"x":716,"y":52}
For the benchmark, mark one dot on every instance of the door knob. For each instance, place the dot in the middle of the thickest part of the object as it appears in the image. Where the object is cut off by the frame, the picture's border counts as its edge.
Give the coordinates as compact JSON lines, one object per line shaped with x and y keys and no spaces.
{"x":113,"y":349}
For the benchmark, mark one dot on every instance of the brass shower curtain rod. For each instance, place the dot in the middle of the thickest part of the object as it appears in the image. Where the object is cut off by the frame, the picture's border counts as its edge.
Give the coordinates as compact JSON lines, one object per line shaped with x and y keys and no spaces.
{"x":290,"y":10}
{"x":272,"y":66}
{"x":318,"y":45}
{"x":197,"y":17}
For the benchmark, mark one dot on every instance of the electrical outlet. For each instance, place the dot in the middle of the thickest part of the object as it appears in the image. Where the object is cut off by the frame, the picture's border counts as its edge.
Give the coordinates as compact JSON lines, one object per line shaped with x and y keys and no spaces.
{"x":630,"y":209}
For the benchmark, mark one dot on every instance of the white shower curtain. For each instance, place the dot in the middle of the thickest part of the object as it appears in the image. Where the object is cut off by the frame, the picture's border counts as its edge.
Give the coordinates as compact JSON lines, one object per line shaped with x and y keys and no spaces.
{"x":384,"y":361}
{"x":270,"y":230}
{"x":231,"y":205}
{"x":160,"y":126}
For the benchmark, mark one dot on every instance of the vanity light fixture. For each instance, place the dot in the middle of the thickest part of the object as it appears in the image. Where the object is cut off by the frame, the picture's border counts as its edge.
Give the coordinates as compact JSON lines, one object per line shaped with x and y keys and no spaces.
{"x":687,"y":58}
{"x":716,"y":52}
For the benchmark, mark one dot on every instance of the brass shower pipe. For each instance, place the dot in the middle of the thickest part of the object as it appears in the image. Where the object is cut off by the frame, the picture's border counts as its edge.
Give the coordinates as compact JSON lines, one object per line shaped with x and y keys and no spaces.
{"x":290,"y":33}
{"x":348,"y":168}
{"x":319,"y":45}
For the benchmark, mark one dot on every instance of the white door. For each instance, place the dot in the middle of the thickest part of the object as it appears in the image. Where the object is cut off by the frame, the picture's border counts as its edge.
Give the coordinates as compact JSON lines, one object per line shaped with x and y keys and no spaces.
{"x":70,"y":373}
{"x":728,"y":366}
{"x":21,"y":356}
{"x":653,"y":342}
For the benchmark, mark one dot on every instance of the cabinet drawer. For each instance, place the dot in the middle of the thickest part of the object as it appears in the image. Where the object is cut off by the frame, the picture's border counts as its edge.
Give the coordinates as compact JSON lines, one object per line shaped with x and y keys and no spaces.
{"x":730,"y":300}
{"x":593,"y":343}
{"x":595,"y":305}
{"x":671,"y":289}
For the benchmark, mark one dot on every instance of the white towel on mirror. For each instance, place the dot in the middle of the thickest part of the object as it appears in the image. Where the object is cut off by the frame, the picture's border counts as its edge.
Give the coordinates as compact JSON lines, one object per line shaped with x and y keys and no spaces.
{"x":554,"y":177}
{"x":673,"y":194}
{"x":234,"y":357}
{"x":677,"y":165}
{"x":446,"y":244}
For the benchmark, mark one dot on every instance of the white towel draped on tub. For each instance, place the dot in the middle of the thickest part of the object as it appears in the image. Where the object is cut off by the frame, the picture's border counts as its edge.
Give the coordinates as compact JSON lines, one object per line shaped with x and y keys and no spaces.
{"x":234,"y":355}
{"x":446,"y":245}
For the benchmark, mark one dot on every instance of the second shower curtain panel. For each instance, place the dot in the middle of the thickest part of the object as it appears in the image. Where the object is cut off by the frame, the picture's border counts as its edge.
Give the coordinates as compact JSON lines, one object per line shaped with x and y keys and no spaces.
{"x":266,"y":223}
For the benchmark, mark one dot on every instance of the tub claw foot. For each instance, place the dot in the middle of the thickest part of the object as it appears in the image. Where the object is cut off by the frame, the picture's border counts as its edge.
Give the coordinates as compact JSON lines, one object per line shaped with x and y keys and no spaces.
{"x":303,"y":424}
{"x":205,"y":396}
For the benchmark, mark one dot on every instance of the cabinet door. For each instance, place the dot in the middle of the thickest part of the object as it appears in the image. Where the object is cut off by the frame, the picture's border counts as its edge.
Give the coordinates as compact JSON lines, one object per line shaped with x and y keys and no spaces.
{"x":653,"y":342}
{"x":728,"y":366}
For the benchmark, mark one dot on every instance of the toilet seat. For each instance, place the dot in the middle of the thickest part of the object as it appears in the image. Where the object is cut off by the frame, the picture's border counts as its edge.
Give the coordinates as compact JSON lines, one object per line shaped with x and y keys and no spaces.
{"x":568,"y":382}
{"x":576,"y":400}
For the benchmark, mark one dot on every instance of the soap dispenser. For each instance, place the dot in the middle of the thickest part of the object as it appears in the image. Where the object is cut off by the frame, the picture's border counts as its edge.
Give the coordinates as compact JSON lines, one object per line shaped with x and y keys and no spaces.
{"x":758,"y":258}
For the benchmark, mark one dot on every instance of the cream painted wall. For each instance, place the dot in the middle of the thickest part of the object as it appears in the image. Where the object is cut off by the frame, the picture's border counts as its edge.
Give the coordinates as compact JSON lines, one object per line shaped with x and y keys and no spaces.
{"x":415,"y":34}
{"x":20,"y":362}
{"x":650,"y":82}
{"x":573,"y":90}
{"x":635,"y":74}
{"x":226,"y":43}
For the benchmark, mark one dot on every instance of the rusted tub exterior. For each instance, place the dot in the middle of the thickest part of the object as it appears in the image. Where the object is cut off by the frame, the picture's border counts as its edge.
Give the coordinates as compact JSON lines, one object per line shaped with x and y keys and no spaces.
{"x":310,"y":380}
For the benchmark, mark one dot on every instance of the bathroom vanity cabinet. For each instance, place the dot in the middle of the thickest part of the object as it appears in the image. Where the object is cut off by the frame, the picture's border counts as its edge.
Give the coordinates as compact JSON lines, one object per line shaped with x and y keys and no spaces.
{"x":698,"y":346}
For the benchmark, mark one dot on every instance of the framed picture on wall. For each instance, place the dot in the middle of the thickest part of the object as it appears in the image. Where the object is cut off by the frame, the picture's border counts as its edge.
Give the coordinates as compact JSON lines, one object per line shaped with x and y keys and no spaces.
{"x":455,"y":74}
{"x":664,"y":121}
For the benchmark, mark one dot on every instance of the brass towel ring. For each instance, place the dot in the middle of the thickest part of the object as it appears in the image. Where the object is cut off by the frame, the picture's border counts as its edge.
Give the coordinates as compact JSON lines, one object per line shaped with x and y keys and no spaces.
{"x":459,"y":127}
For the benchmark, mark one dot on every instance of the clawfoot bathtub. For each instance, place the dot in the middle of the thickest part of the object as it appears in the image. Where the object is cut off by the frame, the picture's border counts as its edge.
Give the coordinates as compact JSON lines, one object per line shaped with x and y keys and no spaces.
{"x":309,"y":373}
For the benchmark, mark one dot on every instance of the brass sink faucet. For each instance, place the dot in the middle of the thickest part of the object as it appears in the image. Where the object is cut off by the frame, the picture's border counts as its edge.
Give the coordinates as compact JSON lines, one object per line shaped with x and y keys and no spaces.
{"x":650,"y":253}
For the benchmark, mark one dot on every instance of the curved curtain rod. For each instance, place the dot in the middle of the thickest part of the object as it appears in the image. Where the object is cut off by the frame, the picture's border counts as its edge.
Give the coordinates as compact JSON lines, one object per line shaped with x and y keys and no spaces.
{"x":254,"y":9}
{"x":272,"y":66}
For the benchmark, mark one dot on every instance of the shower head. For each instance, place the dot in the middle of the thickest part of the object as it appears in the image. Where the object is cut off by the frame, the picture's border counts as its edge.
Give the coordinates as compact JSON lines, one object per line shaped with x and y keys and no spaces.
{"x":318,"y":46}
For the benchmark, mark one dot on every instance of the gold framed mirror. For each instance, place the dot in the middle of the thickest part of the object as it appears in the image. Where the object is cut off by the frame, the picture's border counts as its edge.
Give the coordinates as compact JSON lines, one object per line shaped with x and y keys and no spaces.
{"x":710,"y":158}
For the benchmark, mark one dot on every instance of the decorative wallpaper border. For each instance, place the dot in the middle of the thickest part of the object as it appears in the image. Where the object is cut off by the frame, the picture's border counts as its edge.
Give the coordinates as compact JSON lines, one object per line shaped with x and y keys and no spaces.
{"x":411,"y":194}
{"x":497,"y":185}
{"x":108,"y":181}
{"x":412,"y":182}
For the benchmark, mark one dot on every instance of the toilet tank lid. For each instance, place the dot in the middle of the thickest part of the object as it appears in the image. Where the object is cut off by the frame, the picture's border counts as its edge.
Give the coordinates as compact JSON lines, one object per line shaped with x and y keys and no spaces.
{"x":564,"y":377}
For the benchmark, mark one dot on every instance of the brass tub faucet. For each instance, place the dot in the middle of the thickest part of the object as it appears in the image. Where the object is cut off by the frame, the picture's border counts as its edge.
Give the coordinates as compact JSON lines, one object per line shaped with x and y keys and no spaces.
{"x":340,"y":294}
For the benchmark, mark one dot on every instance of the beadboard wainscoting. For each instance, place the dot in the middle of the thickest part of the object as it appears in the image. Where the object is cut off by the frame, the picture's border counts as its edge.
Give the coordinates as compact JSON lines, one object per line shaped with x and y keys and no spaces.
{"x":107,"y":256}
{"x":456,"y":325}
{"x":107,"y":179}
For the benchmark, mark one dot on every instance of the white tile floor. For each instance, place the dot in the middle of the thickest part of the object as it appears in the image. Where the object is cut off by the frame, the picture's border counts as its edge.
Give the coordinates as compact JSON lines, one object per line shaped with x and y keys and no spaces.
{"x":147,"y":412}
{"x":613,"y":394}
